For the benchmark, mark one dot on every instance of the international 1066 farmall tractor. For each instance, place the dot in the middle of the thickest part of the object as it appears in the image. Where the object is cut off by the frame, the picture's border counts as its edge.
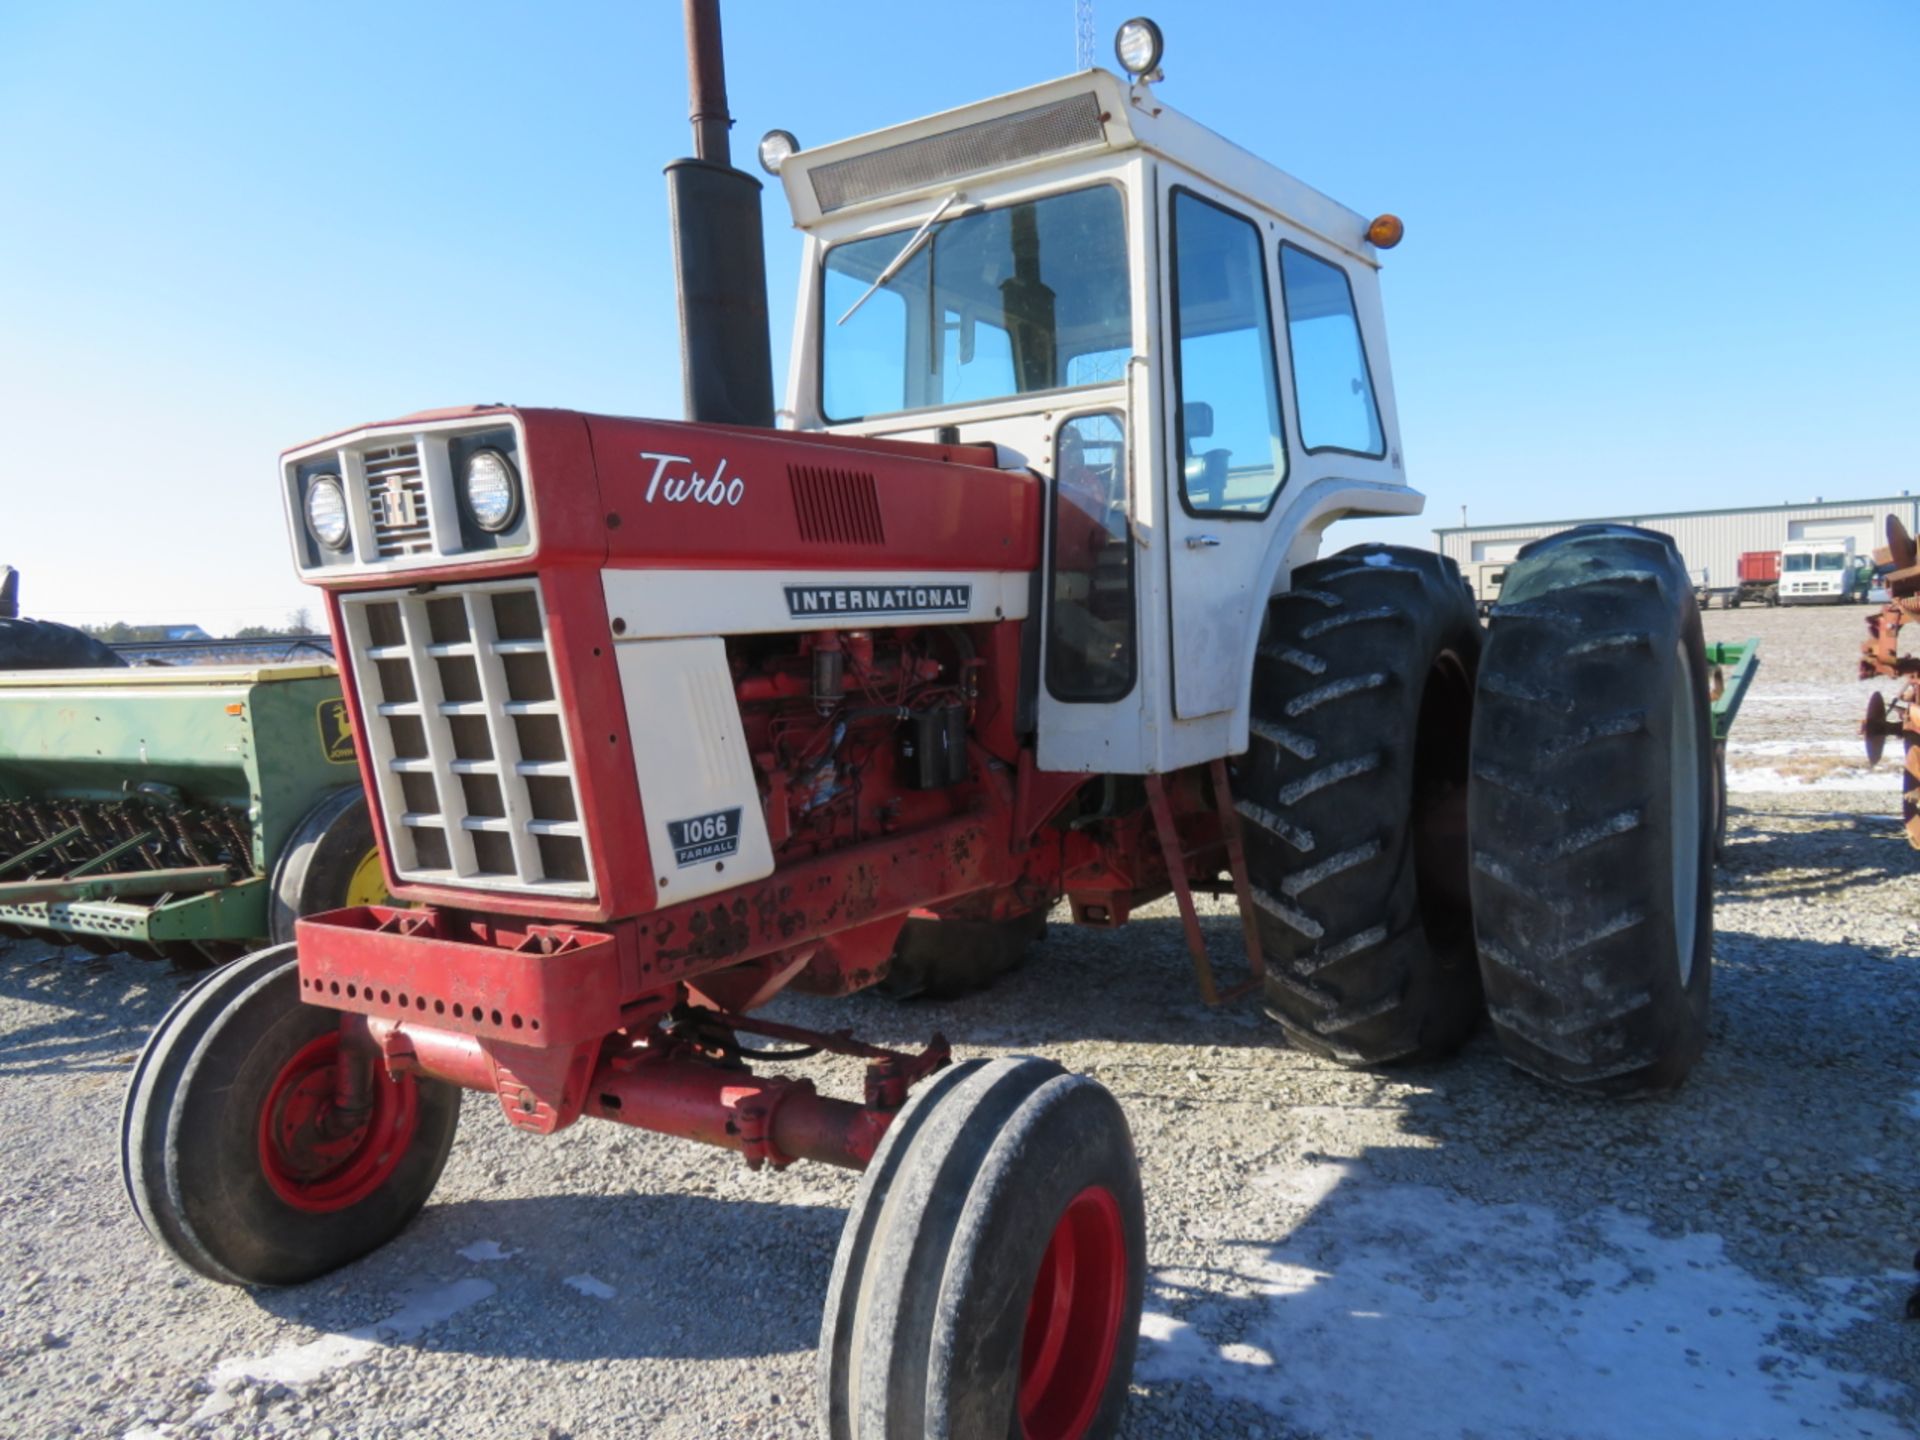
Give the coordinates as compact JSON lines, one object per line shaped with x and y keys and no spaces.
{"x":659,"y":719}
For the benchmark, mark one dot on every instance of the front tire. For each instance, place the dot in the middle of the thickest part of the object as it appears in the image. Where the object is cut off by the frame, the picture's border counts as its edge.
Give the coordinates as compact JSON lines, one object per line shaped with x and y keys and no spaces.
{"x":1592,"y":814}
{"x":232,"y":1152}
{"x":990,"y":1275}
{"x":1353,"y":791}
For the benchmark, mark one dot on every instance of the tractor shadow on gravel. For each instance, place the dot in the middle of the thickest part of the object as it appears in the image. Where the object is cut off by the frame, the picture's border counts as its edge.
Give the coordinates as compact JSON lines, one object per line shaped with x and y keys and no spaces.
{"x":582,"y":1276}
{"x":105,"y":1006}
{"x":1830,"y":852}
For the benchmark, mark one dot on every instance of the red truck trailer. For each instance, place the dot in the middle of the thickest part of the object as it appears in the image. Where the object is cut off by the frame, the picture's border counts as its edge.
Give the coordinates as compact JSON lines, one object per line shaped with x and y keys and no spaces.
{"x":1759,"y":578}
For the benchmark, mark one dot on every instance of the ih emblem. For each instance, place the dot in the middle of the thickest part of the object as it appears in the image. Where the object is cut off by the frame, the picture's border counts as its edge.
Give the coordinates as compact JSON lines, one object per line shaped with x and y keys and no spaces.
{"x":336,"y":732}
{"x":398,"y":503}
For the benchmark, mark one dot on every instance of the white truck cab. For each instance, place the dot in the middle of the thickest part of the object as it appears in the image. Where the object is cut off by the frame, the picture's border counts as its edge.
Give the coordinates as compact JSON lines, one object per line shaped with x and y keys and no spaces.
{"x":1819,"y":572}
{"x":1187,"y":342}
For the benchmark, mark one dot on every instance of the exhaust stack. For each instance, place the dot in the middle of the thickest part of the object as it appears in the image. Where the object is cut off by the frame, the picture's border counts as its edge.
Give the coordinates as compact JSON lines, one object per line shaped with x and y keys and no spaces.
{"x":719,"y":254}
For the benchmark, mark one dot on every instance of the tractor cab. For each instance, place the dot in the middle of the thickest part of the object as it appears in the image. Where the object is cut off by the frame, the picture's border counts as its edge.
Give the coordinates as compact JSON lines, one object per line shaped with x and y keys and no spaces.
{"x":1184,"y":341}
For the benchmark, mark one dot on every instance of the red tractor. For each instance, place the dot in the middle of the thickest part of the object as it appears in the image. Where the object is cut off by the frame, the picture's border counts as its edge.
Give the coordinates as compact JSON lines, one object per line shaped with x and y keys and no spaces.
{"x":659,"y":719}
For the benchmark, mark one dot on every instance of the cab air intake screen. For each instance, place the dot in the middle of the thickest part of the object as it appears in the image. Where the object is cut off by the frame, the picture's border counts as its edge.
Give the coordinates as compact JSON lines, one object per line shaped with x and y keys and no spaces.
{"x":970,"y":150}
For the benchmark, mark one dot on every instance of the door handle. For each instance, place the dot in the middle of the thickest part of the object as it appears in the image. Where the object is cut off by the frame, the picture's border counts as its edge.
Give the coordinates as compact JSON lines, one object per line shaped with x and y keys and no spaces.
{"x":1202,"y":542}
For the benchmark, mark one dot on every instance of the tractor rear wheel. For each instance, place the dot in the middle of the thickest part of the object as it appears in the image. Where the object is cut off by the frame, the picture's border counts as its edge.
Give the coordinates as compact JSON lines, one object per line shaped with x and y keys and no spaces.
{"x":328,"y":863}
{"x":936,"y":959}
{"x":1354,"y":792}
{"x":1592,"y":814}
{"x":234,"y":1152}
{"x":49,"y":645}
{"x":990,"y":1275}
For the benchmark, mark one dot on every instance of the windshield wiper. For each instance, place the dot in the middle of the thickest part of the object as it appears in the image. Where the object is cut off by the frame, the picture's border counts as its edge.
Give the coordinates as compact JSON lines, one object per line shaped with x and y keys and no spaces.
{"x":907,"y":252}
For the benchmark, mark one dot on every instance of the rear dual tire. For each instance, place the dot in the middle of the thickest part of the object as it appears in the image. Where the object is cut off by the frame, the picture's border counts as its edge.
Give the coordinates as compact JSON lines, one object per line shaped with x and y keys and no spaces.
{"x":1352,"y":798}
{"x":1593,"y":811}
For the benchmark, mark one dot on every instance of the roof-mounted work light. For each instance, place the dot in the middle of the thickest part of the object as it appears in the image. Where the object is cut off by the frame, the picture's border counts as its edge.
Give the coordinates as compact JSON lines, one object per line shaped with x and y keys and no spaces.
{"x":775,"y":147}
{"x":1138,"y":45}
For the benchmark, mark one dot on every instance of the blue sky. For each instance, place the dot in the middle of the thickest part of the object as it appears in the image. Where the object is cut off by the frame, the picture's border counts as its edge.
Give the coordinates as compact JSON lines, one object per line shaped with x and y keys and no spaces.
{"x":1657,"y":255}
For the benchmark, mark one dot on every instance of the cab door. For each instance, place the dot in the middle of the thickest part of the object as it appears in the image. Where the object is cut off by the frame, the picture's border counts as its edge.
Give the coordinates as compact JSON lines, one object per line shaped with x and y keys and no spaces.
{"x":1228,"y":457}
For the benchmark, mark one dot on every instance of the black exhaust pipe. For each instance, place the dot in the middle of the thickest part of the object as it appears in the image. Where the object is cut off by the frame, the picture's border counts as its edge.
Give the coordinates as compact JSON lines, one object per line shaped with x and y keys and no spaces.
{"x":719,"y":253}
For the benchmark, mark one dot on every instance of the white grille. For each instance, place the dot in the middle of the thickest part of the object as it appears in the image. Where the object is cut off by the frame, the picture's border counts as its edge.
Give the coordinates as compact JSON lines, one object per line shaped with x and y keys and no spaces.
{"x":463,"y":727}
{"x":397,"y":498}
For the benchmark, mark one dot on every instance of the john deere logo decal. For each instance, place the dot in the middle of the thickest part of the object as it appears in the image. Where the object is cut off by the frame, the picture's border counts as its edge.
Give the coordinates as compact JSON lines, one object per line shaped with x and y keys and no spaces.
{"x":336,"y":733}
{"x":878,"y":600}
{"x":705,"y":837}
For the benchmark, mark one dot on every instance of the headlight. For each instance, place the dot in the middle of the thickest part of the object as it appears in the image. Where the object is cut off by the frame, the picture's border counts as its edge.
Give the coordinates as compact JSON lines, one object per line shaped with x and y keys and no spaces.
{"x":492,"y":490}
{"x":1137,"y":45}
{"x":775,"y":147}
{"x":327,"y":512}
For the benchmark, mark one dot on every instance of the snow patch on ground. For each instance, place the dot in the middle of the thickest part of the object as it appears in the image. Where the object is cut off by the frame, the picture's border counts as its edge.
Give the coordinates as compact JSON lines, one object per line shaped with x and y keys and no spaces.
{"x":1750,"y":779}
{"x":484,"y":1250}
{"x":303,"y":1364}
{"x":1767,"y":765}
{"x":587,"y":1285}
{"x":1408,"y":1311}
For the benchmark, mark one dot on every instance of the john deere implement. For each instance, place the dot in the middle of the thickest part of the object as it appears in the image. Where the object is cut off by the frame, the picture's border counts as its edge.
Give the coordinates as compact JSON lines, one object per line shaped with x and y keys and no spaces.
{"x":183,"y":812}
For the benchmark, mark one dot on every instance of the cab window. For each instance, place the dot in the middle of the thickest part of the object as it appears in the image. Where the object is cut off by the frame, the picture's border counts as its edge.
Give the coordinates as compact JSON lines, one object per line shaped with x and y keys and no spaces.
{"x":1233,"y":455}
{"x":1331,"y":380}
{"x":1090,"y":615}
{"x":993,"y":303}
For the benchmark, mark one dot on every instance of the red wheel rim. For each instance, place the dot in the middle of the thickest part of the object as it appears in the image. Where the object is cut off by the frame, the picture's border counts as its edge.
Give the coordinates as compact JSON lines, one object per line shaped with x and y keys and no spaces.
{"x":314,"y":1158}
{"x":1073,"y":1319}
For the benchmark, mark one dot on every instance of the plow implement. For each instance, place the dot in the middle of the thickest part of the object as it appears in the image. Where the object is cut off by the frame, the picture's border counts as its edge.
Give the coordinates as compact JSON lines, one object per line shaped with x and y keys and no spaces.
{"x":1880,"y":658}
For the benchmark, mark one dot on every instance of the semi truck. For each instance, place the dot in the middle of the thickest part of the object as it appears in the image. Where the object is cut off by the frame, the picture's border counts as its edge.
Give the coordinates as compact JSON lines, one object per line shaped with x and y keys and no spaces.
{"x":1032,"y":606}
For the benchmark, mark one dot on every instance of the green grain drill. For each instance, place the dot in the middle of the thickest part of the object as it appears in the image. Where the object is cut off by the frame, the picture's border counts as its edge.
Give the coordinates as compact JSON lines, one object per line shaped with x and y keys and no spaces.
{"x":188,"y":812}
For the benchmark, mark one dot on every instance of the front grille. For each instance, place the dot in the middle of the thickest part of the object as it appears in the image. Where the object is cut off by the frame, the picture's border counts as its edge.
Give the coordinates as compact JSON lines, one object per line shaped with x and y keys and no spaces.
{"x":397,"y":496}
{"x":950,"y":155}
{"x":464,"y":733}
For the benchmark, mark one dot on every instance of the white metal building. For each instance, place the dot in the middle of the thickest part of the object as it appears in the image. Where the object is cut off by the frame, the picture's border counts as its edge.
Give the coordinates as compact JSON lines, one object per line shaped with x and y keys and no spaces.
{"x":1712,"y":541}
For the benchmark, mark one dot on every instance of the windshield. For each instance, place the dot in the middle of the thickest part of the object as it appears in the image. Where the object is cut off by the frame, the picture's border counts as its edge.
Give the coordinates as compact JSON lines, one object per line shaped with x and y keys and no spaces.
{"x":1830,"y":560}
{"x":1798,"y":562}
{"x":995,"y":303}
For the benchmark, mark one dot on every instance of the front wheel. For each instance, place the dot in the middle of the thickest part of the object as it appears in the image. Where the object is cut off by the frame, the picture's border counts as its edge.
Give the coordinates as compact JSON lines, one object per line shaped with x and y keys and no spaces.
{"x":990,"y":1275}
{"x":244,"y":1153}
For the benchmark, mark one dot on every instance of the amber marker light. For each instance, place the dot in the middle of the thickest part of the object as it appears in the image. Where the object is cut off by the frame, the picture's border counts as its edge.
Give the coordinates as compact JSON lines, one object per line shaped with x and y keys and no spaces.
{"x":1385,"y":231}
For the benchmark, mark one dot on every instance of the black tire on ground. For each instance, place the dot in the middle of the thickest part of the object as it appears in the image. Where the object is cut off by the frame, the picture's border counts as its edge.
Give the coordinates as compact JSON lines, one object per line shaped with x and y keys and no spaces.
{"x":1592,"y":812}
{"x":1353,"y":792}
{"x":224,"y":1147}
{"x":49,"y":645}
{"x":990,"y":1275}
{"x":317,"y":865}
{"x":938,"y":959}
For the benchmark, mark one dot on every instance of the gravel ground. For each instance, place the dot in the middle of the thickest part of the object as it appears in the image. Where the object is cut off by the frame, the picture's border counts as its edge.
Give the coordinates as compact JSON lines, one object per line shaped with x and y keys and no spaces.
{"x":1437,"y":1252}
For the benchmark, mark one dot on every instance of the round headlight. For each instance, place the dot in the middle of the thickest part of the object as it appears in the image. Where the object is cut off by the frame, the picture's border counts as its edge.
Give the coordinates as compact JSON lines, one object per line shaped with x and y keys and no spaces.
{"x":327,"y":512}
{"x":492,"y":490}
{"x":775,"y":147}
{"x":1137,"y":45}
